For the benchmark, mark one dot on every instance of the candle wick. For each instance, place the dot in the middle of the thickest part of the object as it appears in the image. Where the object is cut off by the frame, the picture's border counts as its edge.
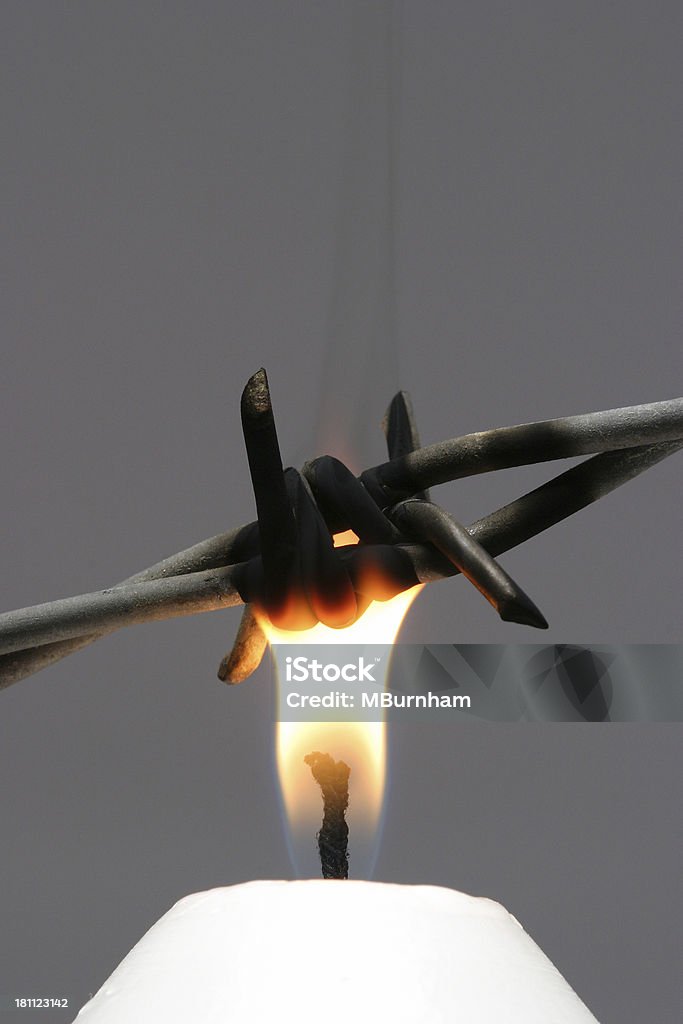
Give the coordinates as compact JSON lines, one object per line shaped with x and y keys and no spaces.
{"x":333,"y":838}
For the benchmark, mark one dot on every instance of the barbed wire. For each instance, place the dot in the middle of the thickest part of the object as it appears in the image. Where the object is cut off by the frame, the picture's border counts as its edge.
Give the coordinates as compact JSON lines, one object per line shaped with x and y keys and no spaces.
{"x":286,"y":566}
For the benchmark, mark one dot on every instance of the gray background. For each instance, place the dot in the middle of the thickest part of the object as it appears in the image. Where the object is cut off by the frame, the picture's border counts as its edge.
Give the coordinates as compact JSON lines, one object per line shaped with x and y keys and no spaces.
{"x":173,"y":181}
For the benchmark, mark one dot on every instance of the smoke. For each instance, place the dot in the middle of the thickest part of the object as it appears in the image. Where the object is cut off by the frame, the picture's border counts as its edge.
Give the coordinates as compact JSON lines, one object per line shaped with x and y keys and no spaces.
{"x":360,"y":370}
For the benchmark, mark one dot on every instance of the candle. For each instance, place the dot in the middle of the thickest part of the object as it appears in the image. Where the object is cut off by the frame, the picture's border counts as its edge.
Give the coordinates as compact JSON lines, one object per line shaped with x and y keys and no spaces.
{"x":333,"y":952}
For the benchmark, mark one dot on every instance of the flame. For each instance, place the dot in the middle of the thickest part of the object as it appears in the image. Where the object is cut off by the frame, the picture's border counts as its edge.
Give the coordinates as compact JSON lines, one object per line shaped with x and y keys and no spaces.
{"x":342,"y":539}
{"x":361,"y":744}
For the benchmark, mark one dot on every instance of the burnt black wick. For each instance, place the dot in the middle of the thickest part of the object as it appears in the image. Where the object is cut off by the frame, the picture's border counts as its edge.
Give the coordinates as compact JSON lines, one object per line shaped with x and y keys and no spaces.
{"x":333,"y":838}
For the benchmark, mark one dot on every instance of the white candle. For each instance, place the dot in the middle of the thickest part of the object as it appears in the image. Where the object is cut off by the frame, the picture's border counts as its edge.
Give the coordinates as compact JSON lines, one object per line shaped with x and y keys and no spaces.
{"x":333,"y":952}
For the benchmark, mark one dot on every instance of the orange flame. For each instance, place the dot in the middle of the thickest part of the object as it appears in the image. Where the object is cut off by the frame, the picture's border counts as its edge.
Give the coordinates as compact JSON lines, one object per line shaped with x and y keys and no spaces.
{"x":361,"y":744}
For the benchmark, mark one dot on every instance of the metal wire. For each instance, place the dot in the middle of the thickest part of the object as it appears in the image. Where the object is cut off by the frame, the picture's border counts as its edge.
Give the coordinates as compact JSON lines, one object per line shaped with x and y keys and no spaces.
{"x":228,"y":569}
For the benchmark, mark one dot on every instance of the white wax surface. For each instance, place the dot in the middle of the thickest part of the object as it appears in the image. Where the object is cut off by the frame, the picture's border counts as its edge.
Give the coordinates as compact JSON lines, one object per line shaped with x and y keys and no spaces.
{"x":330,"y":952}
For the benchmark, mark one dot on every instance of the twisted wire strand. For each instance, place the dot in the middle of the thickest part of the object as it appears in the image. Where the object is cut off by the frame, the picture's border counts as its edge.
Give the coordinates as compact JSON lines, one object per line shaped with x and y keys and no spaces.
{"x":326,"y":497}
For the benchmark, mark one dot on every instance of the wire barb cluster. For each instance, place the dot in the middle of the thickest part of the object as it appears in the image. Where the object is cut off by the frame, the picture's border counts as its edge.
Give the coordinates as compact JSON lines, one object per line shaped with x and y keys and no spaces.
{"x":285,"y":564}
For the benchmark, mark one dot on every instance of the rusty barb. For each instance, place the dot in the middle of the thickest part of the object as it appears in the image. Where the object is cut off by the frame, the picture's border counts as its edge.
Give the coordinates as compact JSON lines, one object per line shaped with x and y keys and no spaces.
{"x":284,"y":567}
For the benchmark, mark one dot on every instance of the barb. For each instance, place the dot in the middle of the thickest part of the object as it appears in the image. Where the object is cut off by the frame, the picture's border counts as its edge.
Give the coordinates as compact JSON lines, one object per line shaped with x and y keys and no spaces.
{"x":427,"y":522}
{"x":247,"y":650}
{"x":505,"y":447}
{"x":400,"y":431}
{"x":281,"y":597}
